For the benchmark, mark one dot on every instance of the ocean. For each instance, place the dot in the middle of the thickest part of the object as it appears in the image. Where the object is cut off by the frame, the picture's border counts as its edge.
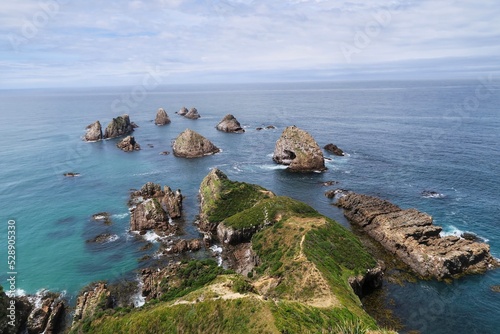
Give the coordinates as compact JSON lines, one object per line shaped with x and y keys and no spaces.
{"x":431,"y":145}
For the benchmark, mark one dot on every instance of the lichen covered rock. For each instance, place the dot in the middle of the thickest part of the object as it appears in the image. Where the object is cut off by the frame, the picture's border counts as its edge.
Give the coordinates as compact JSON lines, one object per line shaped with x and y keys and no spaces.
{"x":119,"y":126}
{"x":298,"y":150}
{"x":190,"y":144}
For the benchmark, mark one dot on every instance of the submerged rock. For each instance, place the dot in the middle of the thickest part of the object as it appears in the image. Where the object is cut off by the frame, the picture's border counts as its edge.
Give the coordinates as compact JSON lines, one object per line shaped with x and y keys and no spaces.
{"x":230,"y":124}
{"x":192,"y":114}
{"x":94,"y":132}
{"x":128,"y":144}
{"x":190,"y":144}
{"x":119,"y":126}
{"x":101,"y":238}
{"x":162,"y":117}
{"x":334,"y":149}
{"x":298,"y":150}
{"x":411,"y":235}
{"x":71,"y":174}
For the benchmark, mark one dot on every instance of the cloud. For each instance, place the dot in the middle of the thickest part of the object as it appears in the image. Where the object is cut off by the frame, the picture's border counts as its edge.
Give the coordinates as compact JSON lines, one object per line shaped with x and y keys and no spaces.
{"x":94,"y":43}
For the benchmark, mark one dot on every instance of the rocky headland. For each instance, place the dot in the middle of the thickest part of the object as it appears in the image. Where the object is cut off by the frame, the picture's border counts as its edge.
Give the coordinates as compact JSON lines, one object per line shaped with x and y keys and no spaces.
{"x":162,"y":117}
{"x":119,"y":126}
{"x":412,"y":236}
{"x":153,"y":208}
{"x":190,"y":144}
{"x":94,"y":132}
{"x":298,"y":150}
{"x":128,"y":144}
{"x":230,"y":124}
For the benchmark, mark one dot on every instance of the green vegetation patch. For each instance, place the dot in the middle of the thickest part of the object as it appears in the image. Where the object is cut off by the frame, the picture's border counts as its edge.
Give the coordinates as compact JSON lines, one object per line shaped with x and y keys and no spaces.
{"x":190,"y":277}
{"x":275,"y":209}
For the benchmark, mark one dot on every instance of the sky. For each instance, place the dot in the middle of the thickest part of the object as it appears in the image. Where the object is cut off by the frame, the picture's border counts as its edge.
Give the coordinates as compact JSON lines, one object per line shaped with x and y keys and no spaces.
{"x":64,"y":43}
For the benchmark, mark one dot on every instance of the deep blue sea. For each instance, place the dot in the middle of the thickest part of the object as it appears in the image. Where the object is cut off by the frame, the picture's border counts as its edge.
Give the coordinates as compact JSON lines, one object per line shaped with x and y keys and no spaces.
{"x":402,"y":138}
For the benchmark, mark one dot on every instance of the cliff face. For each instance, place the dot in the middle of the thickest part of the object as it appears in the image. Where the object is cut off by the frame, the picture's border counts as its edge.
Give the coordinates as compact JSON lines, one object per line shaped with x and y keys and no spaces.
{"x":119,"y":126}
{"x":190,"y":144}
{"x":411,"y":236}
{"x":94,"y":132}
{"x":298,"y":150}
{"x":230,"y":124}
{"x":162,"y":117}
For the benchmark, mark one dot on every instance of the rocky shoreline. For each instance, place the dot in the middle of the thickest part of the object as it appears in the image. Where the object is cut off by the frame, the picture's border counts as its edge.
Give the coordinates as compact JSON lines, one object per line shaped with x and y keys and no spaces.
{"x":411,"y":236}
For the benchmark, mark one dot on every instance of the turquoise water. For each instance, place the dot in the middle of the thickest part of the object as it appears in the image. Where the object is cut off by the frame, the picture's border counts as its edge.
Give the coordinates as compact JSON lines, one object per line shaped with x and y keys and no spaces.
{"x":402,"y":138}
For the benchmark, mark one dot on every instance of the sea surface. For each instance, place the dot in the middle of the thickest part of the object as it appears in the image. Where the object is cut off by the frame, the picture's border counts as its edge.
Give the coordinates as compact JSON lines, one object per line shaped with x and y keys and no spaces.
{"x":403,"y":139}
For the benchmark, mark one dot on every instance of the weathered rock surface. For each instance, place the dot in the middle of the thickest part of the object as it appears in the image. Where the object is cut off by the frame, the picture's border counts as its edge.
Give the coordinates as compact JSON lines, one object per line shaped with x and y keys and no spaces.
{"x":162,"y":117}
{"x":192,"y":114}
{"x":411,"y":236}
{"x":48,"y":317}
{"x":298,"y":150}
{"x":183,"y":245}
{"x":128,"y":144}
{"x":183,"y":111}
{"x":152,"y":208}
{"x":230,"y":124}
{"x":119,"y":126}
{"x":101,"y":238}
{"x":190,"y":144}
{"x":334,"y":149}
{"x":370,"y":281}
{"x":94,"y":132}
{"x":95,"y":299}
{"x":232,"y":236}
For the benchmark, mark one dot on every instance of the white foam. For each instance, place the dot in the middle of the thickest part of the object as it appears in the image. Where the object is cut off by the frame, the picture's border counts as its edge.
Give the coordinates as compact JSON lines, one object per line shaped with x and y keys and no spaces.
{"x":100,"y":217}
{"x":432,"y":194}
{"x":137,"y":298}
{"x":112,"y":238}
{"x":451,"y":230}
{"x":120,"y":215}
{"x":20,"y":292}
{"x":273,"y":167}
{"x":218,"y":251}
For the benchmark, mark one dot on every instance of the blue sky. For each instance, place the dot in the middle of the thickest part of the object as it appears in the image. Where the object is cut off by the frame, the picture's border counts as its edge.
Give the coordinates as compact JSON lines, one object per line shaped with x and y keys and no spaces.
{"x":51,"y":43}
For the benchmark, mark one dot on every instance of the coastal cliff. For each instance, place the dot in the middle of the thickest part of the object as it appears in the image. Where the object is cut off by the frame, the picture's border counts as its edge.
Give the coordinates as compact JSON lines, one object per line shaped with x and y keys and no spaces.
{"x":411,"y":235}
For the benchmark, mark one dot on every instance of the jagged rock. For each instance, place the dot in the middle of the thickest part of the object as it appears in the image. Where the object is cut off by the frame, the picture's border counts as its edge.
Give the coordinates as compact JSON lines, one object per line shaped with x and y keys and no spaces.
{"x":102,"y":217}
{"x":231,"y":236}
{"x":119,"y":126}
{"x":328,"y":183}
{"x":334,"y":149}
{"x":183,"y":245}
{"x":183,"y":111}
{"x":48,"y":317}
{"x":94,"y":132}
{"x":162,"y":117}
{"x":410,"y":235}
{"x":128,"y":144}
{"x":230,"y":124}
{"x":495,"y":288}
{"x":192,"y":114}
{"x":190,"y":144}
{"x":172,"y":202}
{"x":298,"y":150}
{"x":152,"y":207}
{"x":259,"y":128}
{"x":94,"y":299}
{"x":370,"y":281}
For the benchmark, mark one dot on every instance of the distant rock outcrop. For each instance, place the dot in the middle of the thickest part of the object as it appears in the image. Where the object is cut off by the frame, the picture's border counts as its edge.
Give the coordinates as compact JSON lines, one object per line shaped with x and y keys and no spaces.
{"x":230,"y":124}
{"x":183,"y":111}
{"x":128,"y":144}
{"x":190,"y":144}
{"x":411,"y":236}
{"x":298,"y":150}
{"x":162,"y":117}
{"x":119,"y":126}
{"x":334,"y":149}
{"x":192,"y":114}
{"x":94,"y":132}
{"x":152,"y":208}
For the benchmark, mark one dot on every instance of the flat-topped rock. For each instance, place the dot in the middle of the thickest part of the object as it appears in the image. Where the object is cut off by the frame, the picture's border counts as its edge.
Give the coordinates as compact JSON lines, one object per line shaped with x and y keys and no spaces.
{"x":190,"y":144}
{"x":119,"y":126}
{"x":230,"y":124}
{"x":94,"y":132}
{"x":298,"y":150}
{"x":162,"y":117}
{"x":411,"y":235}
